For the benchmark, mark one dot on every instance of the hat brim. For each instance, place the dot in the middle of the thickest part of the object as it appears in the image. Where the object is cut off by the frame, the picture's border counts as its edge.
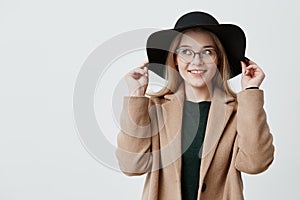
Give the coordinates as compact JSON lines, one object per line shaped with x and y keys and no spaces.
{"x":231,"y":36}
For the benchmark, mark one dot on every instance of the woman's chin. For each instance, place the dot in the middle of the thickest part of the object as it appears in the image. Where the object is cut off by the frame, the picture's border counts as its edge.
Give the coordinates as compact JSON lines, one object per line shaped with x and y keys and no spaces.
{"x":198,"y":84}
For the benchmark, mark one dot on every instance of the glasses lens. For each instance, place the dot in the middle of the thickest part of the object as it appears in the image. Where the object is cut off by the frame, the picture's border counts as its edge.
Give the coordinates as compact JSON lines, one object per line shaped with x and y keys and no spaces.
{"x":208,"y":55}
{"x":186,"y":55}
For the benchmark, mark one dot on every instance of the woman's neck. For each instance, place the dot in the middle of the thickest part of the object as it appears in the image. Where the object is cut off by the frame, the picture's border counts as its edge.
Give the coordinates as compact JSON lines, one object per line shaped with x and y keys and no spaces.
{"x":198,"y":94}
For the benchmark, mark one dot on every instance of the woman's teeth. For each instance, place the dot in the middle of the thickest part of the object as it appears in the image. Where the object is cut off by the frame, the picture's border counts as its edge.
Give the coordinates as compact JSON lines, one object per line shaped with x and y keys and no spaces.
{"x":196,"y":71}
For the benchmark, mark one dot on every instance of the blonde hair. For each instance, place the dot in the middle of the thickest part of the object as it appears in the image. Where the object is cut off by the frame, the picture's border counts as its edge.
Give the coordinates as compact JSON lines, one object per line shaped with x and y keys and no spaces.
{"x":174,"y":79}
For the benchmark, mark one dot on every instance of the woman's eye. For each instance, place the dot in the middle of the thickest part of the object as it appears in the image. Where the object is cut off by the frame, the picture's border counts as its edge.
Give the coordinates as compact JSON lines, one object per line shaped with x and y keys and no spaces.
{"x":207,"y":52}
{"x":186,"y":51}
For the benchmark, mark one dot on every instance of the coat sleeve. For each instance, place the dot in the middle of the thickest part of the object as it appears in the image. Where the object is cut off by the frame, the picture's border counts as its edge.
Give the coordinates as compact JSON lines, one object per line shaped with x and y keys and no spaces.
{"x":134,"y":139}
{"x":254,"y":140}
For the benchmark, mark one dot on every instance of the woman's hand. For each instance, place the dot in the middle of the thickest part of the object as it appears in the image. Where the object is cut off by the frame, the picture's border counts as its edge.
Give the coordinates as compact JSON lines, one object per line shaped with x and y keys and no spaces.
{"x":252,"y":75}
{"x":137,"y":80}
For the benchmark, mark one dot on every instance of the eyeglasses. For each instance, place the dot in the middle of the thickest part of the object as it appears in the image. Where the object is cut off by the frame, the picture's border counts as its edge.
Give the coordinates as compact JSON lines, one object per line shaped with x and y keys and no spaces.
{"x":207,"y":55}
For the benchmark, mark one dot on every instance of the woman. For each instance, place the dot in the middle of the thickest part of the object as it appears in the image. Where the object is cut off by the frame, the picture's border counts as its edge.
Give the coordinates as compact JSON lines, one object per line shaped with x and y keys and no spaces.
{"x":195,"y":136}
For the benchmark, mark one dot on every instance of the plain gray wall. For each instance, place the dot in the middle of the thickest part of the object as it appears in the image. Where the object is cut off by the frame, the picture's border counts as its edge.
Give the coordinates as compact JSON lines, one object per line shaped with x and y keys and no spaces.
{"x":43,"y":45}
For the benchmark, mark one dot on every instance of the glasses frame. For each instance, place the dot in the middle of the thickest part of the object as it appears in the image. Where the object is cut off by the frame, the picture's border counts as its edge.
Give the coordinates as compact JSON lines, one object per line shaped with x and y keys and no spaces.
{"x":200,"y":53}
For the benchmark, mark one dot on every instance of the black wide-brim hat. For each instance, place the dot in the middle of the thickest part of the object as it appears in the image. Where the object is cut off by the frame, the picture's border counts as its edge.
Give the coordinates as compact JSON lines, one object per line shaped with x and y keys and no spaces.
{"x":231,"y":36}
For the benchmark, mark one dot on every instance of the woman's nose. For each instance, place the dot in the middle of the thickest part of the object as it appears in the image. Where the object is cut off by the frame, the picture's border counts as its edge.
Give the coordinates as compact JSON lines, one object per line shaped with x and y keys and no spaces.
{"x":197,"y":60}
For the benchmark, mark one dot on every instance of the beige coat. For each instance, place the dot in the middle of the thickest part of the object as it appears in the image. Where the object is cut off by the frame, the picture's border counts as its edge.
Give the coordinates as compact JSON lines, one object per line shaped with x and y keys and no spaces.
{"x":237,"y":139}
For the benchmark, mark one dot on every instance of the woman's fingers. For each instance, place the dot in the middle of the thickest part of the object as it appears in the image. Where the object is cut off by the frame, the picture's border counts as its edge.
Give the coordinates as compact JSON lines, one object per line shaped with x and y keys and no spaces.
{"x":137,"y":80}
{"x":252,"y":75}
{"x":140,"y":71}
{"x":145,"y":63}
{"x":250,"y":62}
{"x":144,"y":66}
{"x":243,"y":67}
{"x":250,"y":69}
{"x":246,"y":70}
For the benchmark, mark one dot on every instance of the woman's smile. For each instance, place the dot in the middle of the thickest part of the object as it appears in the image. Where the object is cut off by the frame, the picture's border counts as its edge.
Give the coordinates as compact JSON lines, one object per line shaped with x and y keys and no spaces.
{"x":197,"y":72}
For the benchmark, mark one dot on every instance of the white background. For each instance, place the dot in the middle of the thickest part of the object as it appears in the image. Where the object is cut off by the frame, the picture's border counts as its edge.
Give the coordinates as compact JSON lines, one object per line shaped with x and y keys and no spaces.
{"x":43,"y":45}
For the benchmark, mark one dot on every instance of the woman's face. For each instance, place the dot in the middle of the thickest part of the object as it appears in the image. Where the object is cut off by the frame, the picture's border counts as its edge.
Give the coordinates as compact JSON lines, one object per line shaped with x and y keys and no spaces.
{"x":197,"y":69}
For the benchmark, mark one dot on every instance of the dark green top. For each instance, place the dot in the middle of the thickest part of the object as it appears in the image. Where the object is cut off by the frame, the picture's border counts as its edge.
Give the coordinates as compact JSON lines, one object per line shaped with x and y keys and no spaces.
{"x":193,"y":131}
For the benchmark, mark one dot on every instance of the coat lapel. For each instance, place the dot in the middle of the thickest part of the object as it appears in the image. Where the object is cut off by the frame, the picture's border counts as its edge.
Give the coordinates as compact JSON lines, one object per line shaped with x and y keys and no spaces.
{"x":219,"y":114}
{"x":171,"y":152}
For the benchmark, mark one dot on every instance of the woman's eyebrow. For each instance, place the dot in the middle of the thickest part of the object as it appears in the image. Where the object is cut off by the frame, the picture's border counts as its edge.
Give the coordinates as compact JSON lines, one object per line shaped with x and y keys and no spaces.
{"x":185,"y":45}
{"x":209,"y":46}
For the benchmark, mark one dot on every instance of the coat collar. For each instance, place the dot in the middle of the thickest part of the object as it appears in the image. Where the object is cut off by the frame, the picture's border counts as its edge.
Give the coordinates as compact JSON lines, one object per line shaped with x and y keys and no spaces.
{"x":218,"y":95}
{"x":222,"y":106}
